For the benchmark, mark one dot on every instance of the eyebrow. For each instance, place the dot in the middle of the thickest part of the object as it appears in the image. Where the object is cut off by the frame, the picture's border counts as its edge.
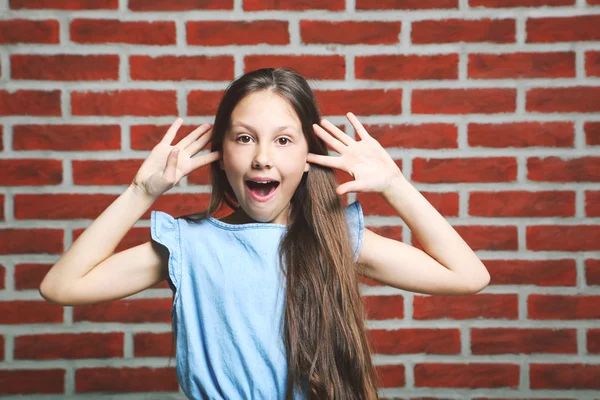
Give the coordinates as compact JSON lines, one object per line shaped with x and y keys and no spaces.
{"x":279,"y":129}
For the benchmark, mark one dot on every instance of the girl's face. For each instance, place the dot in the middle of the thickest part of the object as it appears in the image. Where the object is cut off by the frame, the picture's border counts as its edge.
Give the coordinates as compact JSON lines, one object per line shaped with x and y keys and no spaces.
{"x":265,"y":144}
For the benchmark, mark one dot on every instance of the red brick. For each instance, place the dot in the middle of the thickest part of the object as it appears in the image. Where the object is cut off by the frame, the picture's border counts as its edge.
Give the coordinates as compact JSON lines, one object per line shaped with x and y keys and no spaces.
{"x":466,"y":169}
{"x":406,"y":67}
{"x":14,"y":31}
{"x":67,"y":137}
{"x":203,"y":102}
{"x":522,"y":65}
{"x":158,"y":33}
{"x":592,"y":272}
{"x":30,"y":103}
{"x":592,"y":203}
{"x":491,"y":306}
{"x":318,"y":67}
{"x":563,"y":237}
{"x":224,"y":33}
{"x":1,"y":136}
{"x":134,"y":237}
{"x":522,"y":134}
{"x":145,"y":137}
{"x":69,"y":346}
{"x":146,"y":344}
{"x":125,"y":102}
{"x":29,"y":276}
{"x":544,"y":273}
{"x":17,"y":312}
{"x":125,"y":311}
{"x":180,"y":5}
{"x":181,"y":204}
{"x":563,"y":307}
{"x":445,"y":203}
{"x":556,"y":169}
{"x":462,"y":30}
{"x":73,"y":206}
{"x":584,"y":99}
{"x":592,"y":133}
{"x":118,"y":380}
{"x":350,"y":32}
{"x":1,"y":340}
{"x":360,"y":101}
{"x":384,"y":307}
{"x":520,"y":3}
{"x":564,"y":376}
{"x":391,"y":375}
{"x":516,"y":203}
{"x":592,"y":63}
{"x":105,"y":172}
{"x":30,"y":172}
{"x":593,"y":341}
{"x":470,"y":376}
{"x":64,"y":4}
{"x":32,"y":381}
{"x":18,"y":241}
{"x":463,"y":101}
{"x":65,"y":67}
{"x":292,"y":5}
{"x":523,"y":341}
{"x":181,"y":68}
{"x":563,"y":29}
{"x":422,"y":136}
{"x":405,"y":4}
{"x":415,"y":341}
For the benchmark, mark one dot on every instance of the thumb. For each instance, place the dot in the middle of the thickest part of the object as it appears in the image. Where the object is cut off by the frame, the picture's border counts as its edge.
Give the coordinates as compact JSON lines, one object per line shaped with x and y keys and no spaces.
{"x":171,"y":167}
{"x":351,"y":186}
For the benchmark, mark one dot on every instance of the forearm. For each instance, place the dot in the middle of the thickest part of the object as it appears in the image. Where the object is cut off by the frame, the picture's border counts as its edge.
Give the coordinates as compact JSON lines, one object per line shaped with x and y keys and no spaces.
{"x":100,"y":239}
{"x":435,"y":234}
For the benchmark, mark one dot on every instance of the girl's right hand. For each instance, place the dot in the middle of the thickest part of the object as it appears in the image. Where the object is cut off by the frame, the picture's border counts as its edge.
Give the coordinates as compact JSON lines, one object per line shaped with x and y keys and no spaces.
{"x":164,"y":167}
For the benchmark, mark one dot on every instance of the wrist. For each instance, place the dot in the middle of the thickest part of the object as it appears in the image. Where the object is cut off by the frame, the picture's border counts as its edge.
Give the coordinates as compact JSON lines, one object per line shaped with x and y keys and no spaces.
{"x":396,"y":183}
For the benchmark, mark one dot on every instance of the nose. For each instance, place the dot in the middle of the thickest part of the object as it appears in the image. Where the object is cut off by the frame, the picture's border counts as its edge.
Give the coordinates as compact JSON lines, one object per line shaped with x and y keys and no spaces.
{"x":262,"y":157}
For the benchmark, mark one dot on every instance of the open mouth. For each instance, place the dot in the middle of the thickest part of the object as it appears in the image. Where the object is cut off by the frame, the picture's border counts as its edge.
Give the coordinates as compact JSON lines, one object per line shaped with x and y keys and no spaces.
{"x":262,"y":190}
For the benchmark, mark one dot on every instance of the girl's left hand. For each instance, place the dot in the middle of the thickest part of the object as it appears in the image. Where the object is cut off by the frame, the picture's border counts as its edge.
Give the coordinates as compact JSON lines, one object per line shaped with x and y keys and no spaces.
{"x":366,"y":160}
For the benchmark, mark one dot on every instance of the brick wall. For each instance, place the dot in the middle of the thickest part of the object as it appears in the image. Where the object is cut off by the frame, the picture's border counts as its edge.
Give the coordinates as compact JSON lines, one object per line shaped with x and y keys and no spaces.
{"x":489,"y":107}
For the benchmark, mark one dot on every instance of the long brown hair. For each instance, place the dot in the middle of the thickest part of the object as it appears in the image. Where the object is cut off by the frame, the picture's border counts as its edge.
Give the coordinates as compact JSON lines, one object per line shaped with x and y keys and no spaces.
{"x":328,"y":351}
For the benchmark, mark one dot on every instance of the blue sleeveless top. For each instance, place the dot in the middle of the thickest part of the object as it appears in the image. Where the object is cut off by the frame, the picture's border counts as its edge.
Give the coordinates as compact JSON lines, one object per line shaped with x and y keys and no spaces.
{"x":228,"y":306}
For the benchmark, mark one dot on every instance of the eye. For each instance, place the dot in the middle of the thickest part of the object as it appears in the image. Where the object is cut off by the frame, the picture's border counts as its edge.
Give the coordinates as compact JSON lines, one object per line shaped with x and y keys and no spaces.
{"x":287,"y":141}
{"x":244,"y":139}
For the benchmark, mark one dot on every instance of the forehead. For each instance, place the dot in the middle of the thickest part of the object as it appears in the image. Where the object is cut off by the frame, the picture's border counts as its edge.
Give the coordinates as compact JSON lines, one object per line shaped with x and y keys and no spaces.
{"x":265,"y":110}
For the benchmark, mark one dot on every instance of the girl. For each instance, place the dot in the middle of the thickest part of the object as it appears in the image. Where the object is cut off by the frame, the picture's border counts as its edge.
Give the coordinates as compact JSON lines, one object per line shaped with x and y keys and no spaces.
{"x":266,"y":300}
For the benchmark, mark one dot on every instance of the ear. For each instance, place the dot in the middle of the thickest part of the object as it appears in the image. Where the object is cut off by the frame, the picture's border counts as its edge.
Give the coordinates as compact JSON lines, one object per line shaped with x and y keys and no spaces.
{"x":306,"y":167}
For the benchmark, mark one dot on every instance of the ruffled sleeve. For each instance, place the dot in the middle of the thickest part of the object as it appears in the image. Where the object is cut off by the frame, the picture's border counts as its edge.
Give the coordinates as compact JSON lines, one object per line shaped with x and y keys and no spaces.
{"x":164,"y":229}
{"x":356,"y":226}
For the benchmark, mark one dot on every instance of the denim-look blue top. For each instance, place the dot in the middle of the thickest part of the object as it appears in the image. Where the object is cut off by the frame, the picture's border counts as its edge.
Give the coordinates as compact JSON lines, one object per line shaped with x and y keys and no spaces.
{"x":228,"y":307}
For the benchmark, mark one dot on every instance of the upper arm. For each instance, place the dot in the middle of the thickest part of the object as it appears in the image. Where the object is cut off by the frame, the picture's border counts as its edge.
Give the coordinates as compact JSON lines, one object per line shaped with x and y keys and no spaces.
{"x":402,"y":266}
{"x":120,"y":275}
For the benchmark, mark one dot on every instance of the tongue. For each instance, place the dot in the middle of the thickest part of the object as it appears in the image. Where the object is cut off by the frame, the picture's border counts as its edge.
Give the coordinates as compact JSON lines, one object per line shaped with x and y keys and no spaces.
{"x":261,"y":189}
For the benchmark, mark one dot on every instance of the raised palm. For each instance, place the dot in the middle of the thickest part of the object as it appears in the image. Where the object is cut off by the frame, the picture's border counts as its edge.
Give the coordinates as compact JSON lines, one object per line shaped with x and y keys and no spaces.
{"x":163,"y":168}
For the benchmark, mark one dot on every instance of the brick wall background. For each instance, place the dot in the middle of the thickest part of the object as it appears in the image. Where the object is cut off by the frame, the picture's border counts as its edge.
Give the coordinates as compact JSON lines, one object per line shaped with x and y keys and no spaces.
{"x":489,"y":107}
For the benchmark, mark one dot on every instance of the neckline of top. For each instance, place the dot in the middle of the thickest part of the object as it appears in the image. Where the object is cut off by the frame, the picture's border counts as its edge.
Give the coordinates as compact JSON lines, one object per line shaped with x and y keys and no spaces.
{"x":250,"y":225}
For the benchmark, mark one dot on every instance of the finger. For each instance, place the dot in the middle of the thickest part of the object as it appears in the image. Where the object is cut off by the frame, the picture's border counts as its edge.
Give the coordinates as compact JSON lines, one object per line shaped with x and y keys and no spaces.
{"x":360,"y":129}
{"x":171,"y":167}
{"x":172,"y":131}
{"x":193,"y":135}
{"x":338,"y":133}
{"x":204,"y":159}
{"x":199,"y":144}
{"x":326,"y":161}
{"x":351,"y":186}
{"x":329,"y":140}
